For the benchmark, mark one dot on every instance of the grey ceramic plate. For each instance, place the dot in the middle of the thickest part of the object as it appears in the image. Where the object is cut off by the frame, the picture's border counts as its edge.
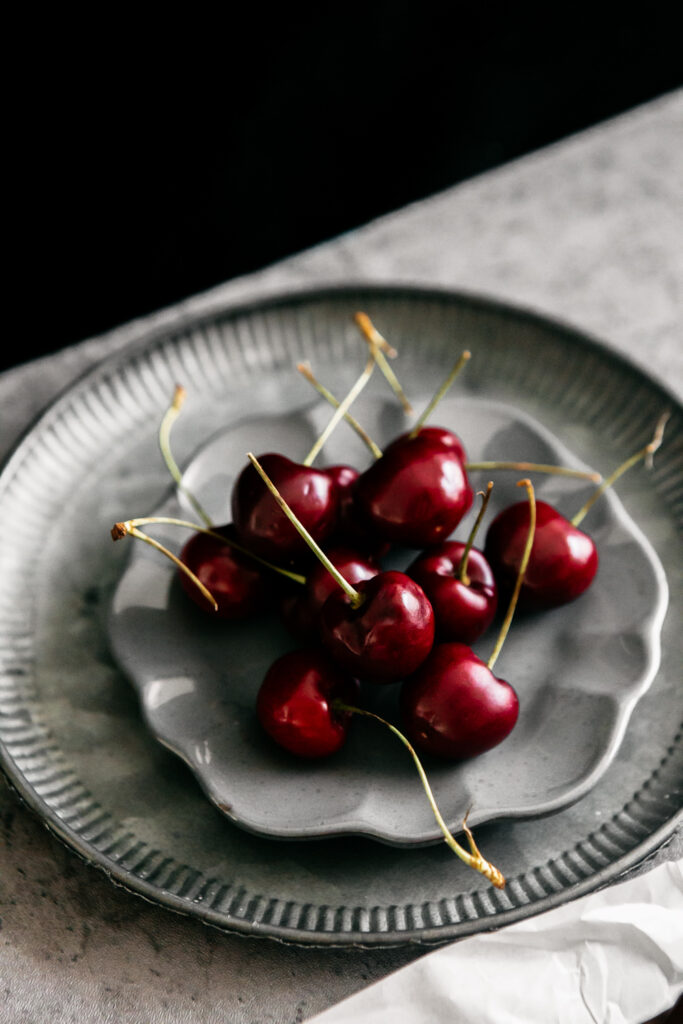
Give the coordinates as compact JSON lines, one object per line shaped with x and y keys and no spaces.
{"x":578,"y":670}
{"x":72,"y":738}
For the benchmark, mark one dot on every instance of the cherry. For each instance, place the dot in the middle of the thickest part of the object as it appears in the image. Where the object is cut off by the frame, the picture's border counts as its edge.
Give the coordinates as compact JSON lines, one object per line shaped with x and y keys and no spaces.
{"x":454,"y":706}
{"x":463,"y":610}
{"x":418,"y":491}
{"x":384,"y":633}
{"x":305,"y":704}
{"x":311,"y":494}
{"x":260,"y":524}
{"x":383,"y":628}
{"x":564,"y":559}
{"x":563,"y":562}
{"x":239,"y":586}
{"x":350,"y":529}
{"x":300,"y":611}
{"x":459,"y":582}
{"x":213,"y":557}
{"x":296,"y":703}
{"x":344,"y":478}
{"x":416,"y":494}
{"x":441,"y":437}
{"x":353,"y":566}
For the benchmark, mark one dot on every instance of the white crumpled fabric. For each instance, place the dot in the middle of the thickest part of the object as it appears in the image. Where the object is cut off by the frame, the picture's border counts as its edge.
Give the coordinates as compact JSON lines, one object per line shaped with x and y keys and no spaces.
{"x":612,"y":957}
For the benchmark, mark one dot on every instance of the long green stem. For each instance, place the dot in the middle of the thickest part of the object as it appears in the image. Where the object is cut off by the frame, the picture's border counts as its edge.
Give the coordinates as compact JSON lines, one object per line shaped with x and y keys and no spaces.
{"x":341,"y":410}
{"x":462,"y":571}
{"x":520,"y":575}
{"x":473,"y":859}
{"x":169,"y":418}
{"x":379,"y":346}
{"x":306,"y":371}
{"x":354,"y":596}
{"x":645,"y":453}
{"x":127,"y":529}
{"x":458,"y":366}
{"x":535,"y":467}
{"x":124,"y":528}
{"x":520,"y":467}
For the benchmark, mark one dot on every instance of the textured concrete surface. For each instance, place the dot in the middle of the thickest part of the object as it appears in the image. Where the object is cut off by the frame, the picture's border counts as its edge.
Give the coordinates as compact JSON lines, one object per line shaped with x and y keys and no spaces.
{"x":589,"y":231}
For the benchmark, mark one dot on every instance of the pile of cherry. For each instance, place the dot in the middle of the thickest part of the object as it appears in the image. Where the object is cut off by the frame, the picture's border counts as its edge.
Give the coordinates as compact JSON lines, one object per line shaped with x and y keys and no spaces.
{"x":313,"y":540}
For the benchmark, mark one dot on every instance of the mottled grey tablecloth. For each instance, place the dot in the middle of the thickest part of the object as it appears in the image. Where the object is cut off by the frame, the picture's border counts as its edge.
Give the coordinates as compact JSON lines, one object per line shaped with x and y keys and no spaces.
{"x":589,"y":230}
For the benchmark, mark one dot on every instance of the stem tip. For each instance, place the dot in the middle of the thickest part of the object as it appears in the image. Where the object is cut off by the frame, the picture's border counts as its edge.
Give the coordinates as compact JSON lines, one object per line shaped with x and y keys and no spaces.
{"x":118,"y":531}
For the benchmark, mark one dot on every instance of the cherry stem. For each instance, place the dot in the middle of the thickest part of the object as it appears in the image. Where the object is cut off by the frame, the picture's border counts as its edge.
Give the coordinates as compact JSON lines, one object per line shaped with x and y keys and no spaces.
{"x":458,"y":366}
{"x":473,"y":859}
{"x":520,"y":575}
{"x":645,"y":453}
{"x":379,"y":346}
{"x":354,"y":596}
{"x":462,"y":571}
{"x":305,"y":371}
{"x":169,"y":418}
{"x":520,"y":467}
{"x":124,"y":528}
{"x":342,"y":408}
{"x":536,"y":467}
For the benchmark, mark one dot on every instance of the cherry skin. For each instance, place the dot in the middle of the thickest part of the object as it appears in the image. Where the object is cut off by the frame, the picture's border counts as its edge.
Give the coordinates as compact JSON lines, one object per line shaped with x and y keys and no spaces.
{"x":295,"y":703}
{"x":387,"y":636}
{"x":454,"y":707}
{"x":300,"y":611}
{"x":350,"y":528}
{"x":417,"y":493}
{"x":463,"y":611}
{"x":240,"y":586}
{"x":263,"y":528}
{"x":344,"y":478}
{"x":441,"y":437}
{"x":563,"y":560}
{"x":354,"y":567}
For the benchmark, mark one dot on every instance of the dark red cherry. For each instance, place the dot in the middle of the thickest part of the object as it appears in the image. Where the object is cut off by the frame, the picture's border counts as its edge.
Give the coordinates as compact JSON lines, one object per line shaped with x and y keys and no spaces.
{"x":441,"y":437}
{"x":351,"y":528}
{"x":295,"y":703}
{"x":300,"y":611}
{"x":416,"y":494}
{"x":387,"y":636}
{"x":454,"y":707}
{"x":344,"y":478}
{"x":563,"y":560}
{"x":240,"y":586}
{"x":261,"y":525}
{"x":354,"y":567}
{"x":463,"y":610}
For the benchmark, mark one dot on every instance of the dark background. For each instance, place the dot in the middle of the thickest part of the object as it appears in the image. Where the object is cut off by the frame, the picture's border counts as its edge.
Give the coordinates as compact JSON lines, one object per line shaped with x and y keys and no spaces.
{"x":151,"y":162}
